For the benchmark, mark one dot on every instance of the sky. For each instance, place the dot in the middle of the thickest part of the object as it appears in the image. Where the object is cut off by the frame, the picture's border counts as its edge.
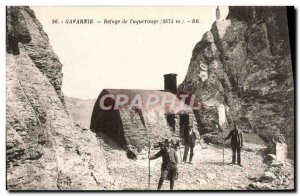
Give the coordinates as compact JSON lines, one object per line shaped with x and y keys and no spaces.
{"x":123,"y":56}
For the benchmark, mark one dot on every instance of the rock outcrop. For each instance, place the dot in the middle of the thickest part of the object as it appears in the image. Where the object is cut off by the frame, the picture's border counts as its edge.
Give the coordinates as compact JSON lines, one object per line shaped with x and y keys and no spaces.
{"x":243,"y":64}
{"x":46,"y":150}
{"x":277,"y":176}
{"x":23,"y":27}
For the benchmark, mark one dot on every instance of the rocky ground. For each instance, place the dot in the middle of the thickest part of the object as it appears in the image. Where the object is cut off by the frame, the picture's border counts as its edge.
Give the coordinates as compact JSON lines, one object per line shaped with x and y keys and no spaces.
{"x":206,"y":173}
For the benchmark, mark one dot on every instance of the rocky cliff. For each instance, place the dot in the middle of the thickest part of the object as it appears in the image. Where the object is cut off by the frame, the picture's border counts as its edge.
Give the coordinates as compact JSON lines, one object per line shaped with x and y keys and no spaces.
{"x":46,"y":150}
{"x":242,"y":70}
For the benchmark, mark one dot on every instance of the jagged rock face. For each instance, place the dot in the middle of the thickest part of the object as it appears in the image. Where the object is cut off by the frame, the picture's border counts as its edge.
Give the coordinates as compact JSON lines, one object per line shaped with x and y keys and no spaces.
{"x":23,"y":27}
{"x":244,"y":64}
{"x":45,"y":149}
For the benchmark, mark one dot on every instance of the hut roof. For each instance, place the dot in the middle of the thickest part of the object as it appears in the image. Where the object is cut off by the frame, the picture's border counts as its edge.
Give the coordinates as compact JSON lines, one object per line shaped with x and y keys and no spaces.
{"x":179,"y":106}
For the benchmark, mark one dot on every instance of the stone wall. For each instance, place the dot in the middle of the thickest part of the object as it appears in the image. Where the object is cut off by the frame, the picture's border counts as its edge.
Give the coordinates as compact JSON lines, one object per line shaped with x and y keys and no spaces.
{"x":130,"y":127}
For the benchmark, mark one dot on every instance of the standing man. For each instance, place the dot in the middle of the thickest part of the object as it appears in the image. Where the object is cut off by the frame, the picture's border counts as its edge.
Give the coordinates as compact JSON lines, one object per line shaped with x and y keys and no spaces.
{"x":169,"y":164}
{"x":190,"y":141}
{"x":236,"y":136}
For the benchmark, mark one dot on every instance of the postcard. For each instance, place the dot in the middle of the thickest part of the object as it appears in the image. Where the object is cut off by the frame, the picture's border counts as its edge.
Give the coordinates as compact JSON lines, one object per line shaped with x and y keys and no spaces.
{"x":170,"y":98}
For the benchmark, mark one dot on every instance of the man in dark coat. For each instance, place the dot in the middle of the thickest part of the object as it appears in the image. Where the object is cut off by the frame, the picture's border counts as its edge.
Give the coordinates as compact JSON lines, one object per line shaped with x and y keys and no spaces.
{"x":190,"y":141}
{"x":169,"y":164}
{"x":236,"y":136}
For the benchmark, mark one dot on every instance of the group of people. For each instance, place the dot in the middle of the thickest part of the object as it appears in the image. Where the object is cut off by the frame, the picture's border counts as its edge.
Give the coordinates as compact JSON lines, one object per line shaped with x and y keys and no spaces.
{"x":168,"y":153}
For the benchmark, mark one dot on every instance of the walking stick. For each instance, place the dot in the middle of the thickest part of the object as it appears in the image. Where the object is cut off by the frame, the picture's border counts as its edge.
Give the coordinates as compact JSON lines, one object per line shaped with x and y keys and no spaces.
{"x":143,"y":121}
{"x":223,"y":146}
{"x":149,"y":175}
{"x":180,"y":151}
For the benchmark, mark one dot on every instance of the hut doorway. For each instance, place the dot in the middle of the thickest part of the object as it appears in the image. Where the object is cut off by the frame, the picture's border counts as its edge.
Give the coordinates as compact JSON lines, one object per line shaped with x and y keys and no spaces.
{"x":171,"y":121}
{"x":184,"y":125}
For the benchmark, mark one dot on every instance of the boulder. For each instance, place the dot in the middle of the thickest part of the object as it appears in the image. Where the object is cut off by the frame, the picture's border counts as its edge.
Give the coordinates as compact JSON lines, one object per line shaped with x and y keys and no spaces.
{"x":276,"y":164}
{"x":268,"y":176}
{"x":260,"y":186}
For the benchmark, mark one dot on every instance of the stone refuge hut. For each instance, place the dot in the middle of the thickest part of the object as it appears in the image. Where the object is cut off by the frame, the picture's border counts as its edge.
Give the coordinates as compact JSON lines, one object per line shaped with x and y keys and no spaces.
{"x":135,"y":126}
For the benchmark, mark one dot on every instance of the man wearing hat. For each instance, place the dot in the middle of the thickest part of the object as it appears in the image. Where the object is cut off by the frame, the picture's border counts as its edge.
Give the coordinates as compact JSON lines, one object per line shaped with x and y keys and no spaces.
{"x":169,"y":164}
{"x":236,"y":136}
{"x":189,"y":142}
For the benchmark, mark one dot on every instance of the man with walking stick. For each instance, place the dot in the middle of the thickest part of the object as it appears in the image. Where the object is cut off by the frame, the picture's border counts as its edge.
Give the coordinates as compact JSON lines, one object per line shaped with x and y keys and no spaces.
{"x":236,"y":136}
{"x":169,"y":165}
{"x":189,"y":144}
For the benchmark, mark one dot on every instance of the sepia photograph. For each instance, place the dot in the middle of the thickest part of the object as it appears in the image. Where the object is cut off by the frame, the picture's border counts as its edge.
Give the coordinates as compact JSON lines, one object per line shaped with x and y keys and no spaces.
{"x":150,"y":98}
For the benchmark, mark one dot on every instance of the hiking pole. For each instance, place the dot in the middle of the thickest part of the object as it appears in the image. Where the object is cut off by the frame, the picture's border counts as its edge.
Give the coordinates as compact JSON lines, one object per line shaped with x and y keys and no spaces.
{"x":149,"y":175}
{"x":180,"y":150}
{"x":223,"y":145}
